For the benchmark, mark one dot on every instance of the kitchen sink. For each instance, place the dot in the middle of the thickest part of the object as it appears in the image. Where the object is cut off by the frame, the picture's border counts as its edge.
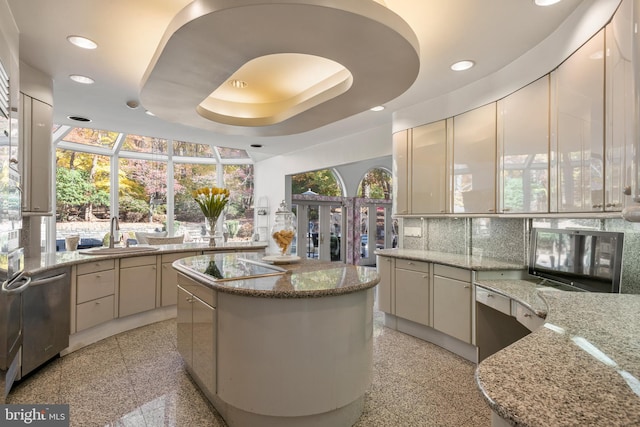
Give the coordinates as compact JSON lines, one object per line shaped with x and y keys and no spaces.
{"x":118,"y":251}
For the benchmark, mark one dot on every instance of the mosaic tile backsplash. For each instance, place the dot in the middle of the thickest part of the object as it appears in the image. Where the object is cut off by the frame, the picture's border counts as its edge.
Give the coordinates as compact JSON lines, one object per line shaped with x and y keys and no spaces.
{"x":508,"y":238}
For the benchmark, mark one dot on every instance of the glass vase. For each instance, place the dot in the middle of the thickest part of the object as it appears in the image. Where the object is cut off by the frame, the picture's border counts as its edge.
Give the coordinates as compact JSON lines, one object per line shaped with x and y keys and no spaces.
{"x":211,"y":224}
{"x":283,"y":231}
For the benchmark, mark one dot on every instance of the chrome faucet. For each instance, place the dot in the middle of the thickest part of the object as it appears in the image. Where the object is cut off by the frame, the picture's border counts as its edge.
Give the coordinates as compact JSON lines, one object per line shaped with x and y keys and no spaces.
{"x":115,"y":226}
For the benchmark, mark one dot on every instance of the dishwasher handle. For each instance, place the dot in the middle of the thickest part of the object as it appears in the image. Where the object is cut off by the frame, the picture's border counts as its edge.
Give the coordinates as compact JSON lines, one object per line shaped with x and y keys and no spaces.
{"x":46,"y":280}
{"x":12,"y":291}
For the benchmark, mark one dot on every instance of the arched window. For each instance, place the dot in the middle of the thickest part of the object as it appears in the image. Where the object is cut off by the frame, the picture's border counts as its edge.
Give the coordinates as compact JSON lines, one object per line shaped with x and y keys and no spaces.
{"x":376,"y":184}
{"x":322,"y":182}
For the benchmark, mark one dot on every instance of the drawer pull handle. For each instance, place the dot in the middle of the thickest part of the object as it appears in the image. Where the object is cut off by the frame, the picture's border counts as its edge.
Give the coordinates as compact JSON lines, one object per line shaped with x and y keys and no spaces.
{"x":98,"y":276}
{"x":425,"y":276}
{"x":410,"y":263}
{"x":527,"y":315}
{"x":489,"y":295}
{"x":467,"y":286}
{"x":97,"y":302}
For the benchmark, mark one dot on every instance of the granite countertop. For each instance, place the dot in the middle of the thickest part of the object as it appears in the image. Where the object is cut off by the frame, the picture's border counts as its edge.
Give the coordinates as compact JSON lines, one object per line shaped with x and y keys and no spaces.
{"x":581,"y":368}
{"x":51,"y":260}
{"x":471,"y":262}
{"x":304,"y":279}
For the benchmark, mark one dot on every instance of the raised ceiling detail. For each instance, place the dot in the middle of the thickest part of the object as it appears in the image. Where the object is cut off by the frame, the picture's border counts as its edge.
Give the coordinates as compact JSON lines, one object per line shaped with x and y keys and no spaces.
{"x":343,"y":58}
{"x":273,"y":88}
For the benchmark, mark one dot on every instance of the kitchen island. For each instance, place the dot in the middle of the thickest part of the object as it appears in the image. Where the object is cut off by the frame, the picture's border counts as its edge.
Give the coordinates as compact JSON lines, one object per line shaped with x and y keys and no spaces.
{"x":287,"y":346}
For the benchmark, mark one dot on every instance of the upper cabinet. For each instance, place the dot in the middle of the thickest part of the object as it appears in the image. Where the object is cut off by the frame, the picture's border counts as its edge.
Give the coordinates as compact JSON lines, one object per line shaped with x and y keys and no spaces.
{"x":474,"y":160}
{"x":619,"y":109}
{"x":523,"y":149}
{"x":36,"y":151}
{"x":578,"y":130}
{"x":400,"y":170}
{"x":429,"y":168}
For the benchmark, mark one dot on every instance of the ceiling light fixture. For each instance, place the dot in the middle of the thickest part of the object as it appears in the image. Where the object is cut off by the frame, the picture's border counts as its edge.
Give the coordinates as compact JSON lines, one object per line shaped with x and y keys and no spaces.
{"x":82,"y":42}
{"x":82,"y":79}
{"x":78,"y":119}
{"x":462,"y":65}
{"x":377,"y":108}
{"x":133,"y":104}
{"x":149,"y":113}
{"x":546,"y":2}
{"x":238,"y":84}
{"x":256,"y":145}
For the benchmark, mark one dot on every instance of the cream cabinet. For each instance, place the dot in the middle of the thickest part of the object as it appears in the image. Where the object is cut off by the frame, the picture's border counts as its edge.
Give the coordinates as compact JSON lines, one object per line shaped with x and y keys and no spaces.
{"x":36,"y":153}
{"x":412,"y":291}
{"x":138,"y":279}
{"x":169,"y":280}
{"x":474,"y":161}
{"x":620,"y":170}
{"x":523,"y":149}
{"x":577,"y":147}
{"x":400,"y":169}
{"x":385,"y":289}
{"x":429,"y":168}
{"x":452,"y":302}
{"x":94,"y":294}
{"x":197,"y":331}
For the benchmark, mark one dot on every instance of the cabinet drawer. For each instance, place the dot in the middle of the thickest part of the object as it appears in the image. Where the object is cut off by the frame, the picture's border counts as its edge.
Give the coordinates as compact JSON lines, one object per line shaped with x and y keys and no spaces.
{"x":205,"y":293}
{"x":94,"y":312}
{"x":407,"y":264}
{"x":493,"y":300}
{"x":92,"y":267}
{"x":452,"y":272}
{"x":527,"y":317}
{"x":176,"y":256}
{"x":137,"y":261}
{"x":95,"y":285}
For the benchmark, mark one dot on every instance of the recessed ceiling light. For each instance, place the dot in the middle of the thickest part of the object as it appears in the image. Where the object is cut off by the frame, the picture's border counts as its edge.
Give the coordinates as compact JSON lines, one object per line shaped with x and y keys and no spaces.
{"x":256,"y":145}
{"x":378,"y":108}
{"x":546,"y":2}
{"x":78,"y":118}
{"x":82,"y":42}
{"x":82,"y":79}
{"x":238,"y":84}
{"x":149,"y":113}
{"x":462,"y":65}
{"x":133,"y":104}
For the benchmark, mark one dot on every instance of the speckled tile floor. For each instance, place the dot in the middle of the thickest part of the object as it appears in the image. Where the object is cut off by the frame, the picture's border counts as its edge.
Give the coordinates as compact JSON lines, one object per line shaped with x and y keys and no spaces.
{"x":138,"y":379}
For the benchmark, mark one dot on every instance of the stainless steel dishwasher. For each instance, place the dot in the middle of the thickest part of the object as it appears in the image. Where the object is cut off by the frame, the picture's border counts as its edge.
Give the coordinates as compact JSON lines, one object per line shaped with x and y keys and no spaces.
{"x":45,"y":317}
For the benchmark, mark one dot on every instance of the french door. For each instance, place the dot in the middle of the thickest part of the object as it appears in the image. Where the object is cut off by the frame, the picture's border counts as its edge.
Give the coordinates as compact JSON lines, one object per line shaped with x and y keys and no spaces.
{"x":377,"y":231}
{"x":320,"y":230}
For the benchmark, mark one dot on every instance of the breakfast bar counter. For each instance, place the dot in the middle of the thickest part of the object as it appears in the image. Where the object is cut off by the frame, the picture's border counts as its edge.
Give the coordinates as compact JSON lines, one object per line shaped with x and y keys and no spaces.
{"x":582,"y":367}
{"x":286,"y":345}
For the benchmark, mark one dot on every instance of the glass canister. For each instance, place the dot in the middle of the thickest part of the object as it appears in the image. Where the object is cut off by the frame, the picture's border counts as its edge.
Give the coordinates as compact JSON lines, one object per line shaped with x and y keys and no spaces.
{"x":284,"y":229}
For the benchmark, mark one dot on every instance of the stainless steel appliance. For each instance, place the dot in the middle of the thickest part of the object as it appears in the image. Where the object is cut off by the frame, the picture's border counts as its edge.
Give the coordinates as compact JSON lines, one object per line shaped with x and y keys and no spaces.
{"x":11,"y":254}
{"x":46,"y":317}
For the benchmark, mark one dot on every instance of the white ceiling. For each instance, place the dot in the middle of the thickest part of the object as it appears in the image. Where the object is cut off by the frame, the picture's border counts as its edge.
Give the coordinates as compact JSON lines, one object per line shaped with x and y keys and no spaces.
{"x":491,"y":32}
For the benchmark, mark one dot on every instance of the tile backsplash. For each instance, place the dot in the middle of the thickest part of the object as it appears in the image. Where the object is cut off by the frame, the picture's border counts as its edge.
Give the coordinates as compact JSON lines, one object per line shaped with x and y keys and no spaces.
{"x":508,"y":238}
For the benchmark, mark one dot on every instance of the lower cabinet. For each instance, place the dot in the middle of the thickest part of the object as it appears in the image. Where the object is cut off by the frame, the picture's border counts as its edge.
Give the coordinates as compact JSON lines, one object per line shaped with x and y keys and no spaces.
{"x":197,"y":329}
{"x":385,"y":289}
{"x":169,"y":280}
{"x":452,"y":302}
{"x":138,"y":279}
{"x":94,"y":294}
{"x":412,"y":291}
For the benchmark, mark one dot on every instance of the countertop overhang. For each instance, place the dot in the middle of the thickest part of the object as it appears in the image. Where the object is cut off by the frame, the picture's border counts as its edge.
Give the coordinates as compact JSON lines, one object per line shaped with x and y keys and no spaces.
{"x":304,"y":279}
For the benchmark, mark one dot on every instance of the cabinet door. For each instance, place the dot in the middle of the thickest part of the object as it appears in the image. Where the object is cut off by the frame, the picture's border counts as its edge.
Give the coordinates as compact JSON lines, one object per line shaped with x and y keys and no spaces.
{"x":429,"y":168}
{"x":204,"y":344}
{"x":184,"y":326}
{"x":385,"y":287}
{"x":523,"y":149}
{"x":137,"y":289}
{"x":36,"y":152}
{"x":578,"y":86}
{"x":412,"y":295}
{"x":169,"y":283}
{"x":620,"y":169}
{"x":452,"y":307}
{"x":401,"y":172}
{"x":474,"y":160}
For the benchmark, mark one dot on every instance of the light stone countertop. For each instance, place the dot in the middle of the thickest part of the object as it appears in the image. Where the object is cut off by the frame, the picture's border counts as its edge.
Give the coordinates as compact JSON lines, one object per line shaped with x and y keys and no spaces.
{"x":582,"y":368}
{"x":50,"y":260}
{"x":304,"y":279}
{"x":471,"y":262}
